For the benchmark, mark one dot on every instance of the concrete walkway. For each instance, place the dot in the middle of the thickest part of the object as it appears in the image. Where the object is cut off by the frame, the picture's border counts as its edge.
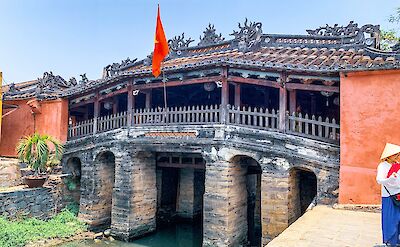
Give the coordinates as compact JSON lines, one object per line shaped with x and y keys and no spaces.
{"x":324,"y":226}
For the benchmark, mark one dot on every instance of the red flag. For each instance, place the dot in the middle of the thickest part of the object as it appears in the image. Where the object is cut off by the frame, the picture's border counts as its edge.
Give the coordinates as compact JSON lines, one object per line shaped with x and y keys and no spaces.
{"x":160,"y":46}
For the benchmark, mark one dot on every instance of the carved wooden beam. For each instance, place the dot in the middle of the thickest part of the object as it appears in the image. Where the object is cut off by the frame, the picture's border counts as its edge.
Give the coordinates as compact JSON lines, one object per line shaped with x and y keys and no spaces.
{"x":177,"y":83}
{"x":81,"y":103}
{"x":312,"y":87}
{"x":181,"y":165}
{"x":112,"y":94}
{"x":260,"y":82}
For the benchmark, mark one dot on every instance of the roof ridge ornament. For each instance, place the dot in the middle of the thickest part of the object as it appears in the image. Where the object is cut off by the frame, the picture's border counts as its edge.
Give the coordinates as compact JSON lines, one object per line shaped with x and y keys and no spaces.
{"x":51,"y":83}
{"x":249,"y":35}
{"x":12,"y":89}
{"x":178,"y":42}
{"x":335,"y":30}
{"x":367,"y":34}
{"x":210,"y":36}
{"x":396,"y":47}
{"x":114,"y":68}
{"x":84,"y":79}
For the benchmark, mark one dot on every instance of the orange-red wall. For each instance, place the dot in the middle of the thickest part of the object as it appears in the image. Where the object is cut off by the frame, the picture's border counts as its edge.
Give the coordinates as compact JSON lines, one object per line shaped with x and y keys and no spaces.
{"x":369,"y":117}
{"x":18,"y":123}
{"x":52,"y":120}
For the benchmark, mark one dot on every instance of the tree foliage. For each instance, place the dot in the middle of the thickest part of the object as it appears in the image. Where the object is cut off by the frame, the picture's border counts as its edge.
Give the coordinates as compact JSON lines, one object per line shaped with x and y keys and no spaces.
{"x":389,"y":37}
{"x":395,"y":18}
{"x":39,"y":151}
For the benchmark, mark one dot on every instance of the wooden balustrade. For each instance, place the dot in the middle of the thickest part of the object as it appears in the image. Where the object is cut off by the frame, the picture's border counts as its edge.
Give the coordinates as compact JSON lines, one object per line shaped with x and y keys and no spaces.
{"x":254,"y":117}
{"x":81,"y":129}
{"x":183,"y":115}
{"x":111,"y":122}
{"x":314,"y":127}
{"x":260,"y":118}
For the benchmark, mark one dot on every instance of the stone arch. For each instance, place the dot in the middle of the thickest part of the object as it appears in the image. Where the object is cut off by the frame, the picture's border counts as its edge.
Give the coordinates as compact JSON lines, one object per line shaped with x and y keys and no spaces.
{"x":303,"y":187}
{"x":104,"y":183}
{"x":251,"y":170}
{"x":73,"y":167}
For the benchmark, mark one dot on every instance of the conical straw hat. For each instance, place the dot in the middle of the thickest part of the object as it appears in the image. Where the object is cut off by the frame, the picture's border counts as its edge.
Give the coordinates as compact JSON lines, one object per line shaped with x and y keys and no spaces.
{"x":390,"y":149}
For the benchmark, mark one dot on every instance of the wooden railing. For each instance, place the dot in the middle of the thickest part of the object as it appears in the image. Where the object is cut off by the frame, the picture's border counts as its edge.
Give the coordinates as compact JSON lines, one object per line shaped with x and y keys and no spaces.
{"x":260,"y":118}
{"x":177,"y":115}
{"x":254,"y":117}
{"x":111,"y":122}
{"x":80,"y":129}
{"x":314,"y":127}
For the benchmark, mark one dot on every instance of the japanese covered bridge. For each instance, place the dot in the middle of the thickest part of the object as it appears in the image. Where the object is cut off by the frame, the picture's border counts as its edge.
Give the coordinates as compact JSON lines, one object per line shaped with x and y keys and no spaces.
{"x":241,"y":134}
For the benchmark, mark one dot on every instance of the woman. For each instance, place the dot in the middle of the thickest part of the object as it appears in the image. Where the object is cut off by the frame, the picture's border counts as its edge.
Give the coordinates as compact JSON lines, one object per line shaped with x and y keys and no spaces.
{"x":390,"y":184}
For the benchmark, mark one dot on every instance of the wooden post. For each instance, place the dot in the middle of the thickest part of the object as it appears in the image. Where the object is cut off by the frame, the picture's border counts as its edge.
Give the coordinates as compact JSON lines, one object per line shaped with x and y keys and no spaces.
{"x":282,"y":104}
{"x":224,"y":96}
{"x":238,"y":100}
{"x":266,"y":99}
{"x":115,"y":104}
{"x":86,"y":113}
{"x":96,"y":112}
{"x":130,"y":104}
{"x":292,"y":101}
{"x":148,"y":99}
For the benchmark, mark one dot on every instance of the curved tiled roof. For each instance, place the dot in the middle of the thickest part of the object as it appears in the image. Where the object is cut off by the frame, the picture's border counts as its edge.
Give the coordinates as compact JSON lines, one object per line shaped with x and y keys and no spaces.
{"x":290,"y":58}
{"x":326,"y":50}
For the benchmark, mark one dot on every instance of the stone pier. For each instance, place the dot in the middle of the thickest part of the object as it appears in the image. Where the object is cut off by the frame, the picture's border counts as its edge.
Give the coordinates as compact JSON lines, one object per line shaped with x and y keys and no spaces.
{"x":275,"y":204}
{"x":225,"y":204}
{"x":191,"y":189}
{"x":135,"y":196}
{"x":185,"y":204}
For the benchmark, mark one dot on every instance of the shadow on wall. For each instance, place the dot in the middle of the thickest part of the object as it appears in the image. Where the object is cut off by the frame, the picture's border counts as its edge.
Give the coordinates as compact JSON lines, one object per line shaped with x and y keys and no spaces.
{"x":302,"y":192}
{"x":73,"y":182}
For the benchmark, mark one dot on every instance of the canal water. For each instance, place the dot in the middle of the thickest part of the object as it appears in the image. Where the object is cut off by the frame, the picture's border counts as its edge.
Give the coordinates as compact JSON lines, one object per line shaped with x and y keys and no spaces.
{"x":178,"y":235}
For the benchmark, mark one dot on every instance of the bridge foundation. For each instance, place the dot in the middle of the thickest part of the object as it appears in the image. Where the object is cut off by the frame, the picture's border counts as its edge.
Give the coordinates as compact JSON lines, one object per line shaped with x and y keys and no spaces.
{"x":135,"y":195}
{"x":246,"y":182}
{"x":225,"y":204}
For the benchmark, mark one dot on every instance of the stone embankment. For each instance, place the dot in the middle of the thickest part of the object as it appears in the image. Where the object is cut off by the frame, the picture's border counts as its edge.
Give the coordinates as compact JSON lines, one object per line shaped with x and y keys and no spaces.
{"x":41,"y":203}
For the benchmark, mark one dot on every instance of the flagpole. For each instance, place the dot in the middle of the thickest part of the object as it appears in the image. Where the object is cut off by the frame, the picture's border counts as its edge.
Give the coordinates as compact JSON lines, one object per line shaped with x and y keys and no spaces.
{"x":165,"y":96}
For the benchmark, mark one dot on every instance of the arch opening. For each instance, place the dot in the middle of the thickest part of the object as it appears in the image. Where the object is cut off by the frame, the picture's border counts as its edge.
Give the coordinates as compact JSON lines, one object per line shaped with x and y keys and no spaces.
{"x":105,"y":184}
{"x":180,"y":194}
{"x":73,"y":182}
{"x":252,"y":192}
{"x":302,"y":192}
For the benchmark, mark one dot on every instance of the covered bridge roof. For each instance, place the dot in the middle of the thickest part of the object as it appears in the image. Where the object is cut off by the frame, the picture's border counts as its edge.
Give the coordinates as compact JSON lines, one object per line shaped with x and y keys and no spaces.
{"x":325,"y":50}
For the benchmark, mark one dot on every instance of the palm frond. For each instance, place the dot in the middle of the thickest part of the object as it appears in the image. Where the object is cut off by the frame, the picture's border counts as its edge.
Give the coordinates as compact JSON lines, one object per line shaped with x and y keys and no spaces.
{"x":37,"y":150}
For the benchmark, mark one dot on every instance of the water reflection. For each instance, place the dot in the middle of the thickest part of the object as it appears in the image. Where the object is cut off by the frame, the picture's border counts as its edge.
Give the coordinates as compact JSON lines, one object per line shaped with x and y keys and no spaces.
{"x":179,"y":235}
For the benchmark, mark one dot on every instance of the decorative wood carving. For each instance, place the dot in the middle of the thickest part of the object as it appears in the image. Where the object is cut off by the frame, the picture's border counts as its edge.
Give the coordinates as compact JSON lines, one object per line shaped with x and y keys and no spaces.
{"x":114,"y":68}
{"x":52,"y":83}
{"x":179,"y":42}
{"x":248,"y":35}
{"x":351,"y":29}
{"x":210,"y":37}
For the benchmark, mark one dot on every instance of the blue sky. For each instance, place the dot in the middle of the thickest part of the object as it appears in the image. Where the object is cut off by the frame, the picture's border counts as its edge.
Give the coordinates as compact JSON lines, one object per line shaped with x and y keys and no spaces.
{"x":71,"y":37}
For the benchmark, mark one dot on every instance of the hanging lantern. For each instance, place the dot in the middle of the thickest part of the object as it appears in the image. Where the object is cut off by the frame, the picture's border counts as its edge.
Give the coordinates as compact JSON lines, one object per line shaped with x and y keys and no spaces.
{"x":209,"y":86}
{"x":108,"y":105}
{"x":336,"y":101}
{"x":327,"y":95}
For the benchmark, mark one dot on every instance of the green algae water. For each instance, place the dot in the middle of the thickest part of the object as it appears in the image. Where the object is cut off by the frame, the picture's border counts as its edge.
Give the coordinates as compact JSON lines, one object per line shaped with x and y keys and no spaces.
{"x":178,"y":235}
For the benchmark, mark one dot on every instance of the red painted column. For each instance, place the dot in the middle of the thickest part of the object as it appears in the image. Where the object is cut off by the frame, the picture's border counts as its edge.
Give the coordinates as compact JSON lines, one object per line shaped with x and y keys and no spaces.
{"x":292,"y":101}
